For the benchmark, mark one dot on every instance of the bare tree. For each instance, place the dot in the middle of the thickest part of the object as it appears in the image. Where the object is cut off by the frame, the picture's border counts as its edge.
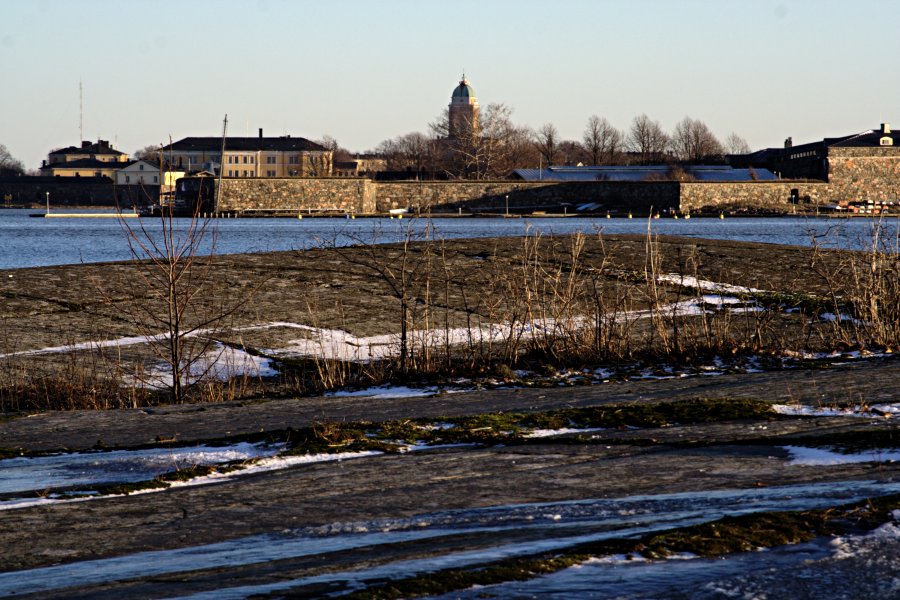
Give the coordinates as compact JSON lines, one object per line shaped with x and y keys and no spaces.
{"x":414,"y":152}
{"x":488,"y":148}
{"x":546,"y":140}
{"x":647,"y":138}
{"x":504,"y":143}
{"x":601,"y":140}
{"x":571,"y":153}
{"x":735,"y":144}
{"x":178,"y":306}
{"x":417,"y":149}
{"x":390,"y":150}
{"x":693,"y":142}
{"x":338,"y":152}
{"x":147,"y":153}
{"x":403,"y":268}
{"x":440,"y":127}
{"x":9,"y":165}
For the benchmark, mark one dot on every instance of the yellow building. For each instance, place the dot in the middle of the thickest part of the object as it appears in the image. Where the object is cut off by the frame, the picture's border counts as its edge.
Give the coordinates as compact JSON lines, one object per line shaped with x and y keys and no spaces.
{"x":283,"y":156}
{"x":98,"y":159}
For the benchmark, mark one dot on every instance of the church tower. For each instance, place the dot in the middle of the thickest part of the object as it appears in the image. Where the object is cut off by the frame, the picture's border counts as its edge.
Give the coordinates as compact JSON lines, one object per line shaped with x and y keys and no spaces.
{"x":463,"y":110}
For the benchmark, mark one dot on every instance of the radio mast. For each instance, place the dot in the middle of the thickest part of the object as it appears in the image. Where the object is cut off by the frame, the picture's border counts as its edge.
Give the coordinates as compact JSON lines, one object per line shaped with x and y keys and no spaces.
{"x":80,"y":113}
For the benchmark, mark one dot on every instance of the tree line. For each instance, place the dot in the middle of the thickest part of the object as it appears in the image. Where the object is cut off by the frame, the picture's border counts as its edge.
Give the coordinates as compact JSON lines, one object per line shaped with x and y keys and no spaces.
{"x":492,"y":146}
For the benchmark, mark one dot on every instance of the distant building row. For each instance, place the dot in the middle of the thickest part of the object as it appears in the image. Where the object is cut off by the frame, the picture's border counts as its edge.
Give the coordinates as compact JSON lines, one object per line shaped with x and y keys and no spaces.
{"x":283,"y":156}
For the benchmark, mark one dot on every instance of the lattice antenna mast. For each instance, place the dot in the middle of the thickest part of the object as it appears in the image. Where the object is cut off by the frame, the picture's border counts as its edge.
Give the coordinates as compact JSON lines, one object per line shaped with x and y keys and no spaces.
{"x":80,"y":113}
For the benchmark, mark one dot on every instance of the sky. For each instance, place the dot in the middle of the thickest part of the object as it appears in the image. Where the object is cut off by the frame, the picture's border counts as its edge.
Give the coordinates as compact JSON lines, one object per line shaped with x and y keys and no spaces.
{"x":365,"y":71}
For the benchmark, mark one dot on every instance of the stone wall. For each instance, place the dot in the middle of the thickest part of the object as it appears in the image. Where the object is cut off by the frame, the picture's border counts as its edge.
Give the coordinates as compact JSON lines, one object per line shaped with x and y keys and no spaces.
{"x":860,"y":174}
{"x":493,"y":196}
{"x":363,"y":196}
{"x":750,"y":196}
{"x":338,"y":194}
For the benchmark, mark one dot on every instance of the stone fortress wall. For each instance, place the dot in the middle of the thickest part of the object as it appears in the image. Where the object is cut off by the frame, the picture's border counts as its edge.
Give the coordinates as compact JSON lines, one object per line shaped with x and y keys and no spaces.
{"x":861,"y":174}
{"x":363,"y":196}
{"x":855,"y":174}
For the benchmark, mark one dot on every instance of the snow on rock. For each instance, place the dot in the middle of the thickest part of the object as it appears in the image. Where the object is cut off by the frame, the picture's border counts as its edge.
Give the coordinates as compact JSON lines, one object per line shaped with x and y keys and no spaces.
{"x":874,"y":411}
{"x":541,"y":433}
{"x":820,"y":457}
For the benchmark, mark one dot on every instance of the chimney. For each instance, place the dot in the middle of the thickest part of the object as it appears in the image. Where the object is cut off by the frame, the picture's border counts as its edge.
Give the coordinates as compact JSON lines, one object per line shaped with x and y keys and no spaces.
{"x":885,"y":128}
{"x":789,"y":143}
{"x":260,"y":133}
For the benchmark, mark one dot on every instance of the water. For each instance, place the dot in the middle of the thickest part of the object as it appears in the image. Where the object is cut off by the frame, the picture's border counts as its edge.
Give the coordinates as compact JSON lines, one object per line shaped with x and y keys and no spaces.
{"x":29,"y":242}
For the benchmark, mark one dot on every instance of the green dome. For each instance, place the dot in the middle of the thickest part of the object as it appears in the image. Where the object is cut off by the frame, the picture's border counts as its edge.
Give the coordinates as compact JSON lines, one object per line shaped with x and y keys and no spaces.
{"x":463,"y":91}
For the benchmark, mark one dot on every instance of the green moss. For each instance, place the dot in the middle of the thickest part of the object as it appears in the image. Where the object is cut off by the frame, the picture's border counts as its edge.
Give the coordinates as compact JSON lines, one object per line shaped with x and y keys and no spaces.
{"x":11,"y":452}
{"x":406,"y":431}
{"x":695,"y":410}
{"x":739,"y":534}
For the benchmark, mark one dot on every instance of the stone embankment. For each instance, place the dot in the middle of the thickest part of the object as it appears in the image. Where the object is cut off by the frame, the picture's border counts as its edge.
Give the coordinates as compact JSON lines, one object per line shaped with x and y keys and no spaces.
{"x":364,"y":196}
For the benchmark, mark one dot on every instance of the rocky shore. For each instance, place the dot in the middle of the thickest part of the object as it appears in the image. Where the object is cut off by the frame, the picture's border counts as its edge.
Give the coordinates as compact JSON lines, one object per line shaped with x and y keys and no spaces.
{"x":301,"y":530}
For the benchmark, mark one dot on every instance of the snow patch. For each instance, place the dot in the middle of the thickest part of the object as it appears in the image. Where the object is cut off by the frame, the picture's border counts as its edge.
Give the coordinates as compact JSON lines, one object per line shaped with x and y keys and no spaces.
{"x":542,"y":433}
{"x":820,"y":457}
{"x":704,"y":285}
{"x":83,"y":469}
{"x":389,"y":391}
{"x":220,"y":363}
{"x":271,"y":463}
{"x":874,"y":411}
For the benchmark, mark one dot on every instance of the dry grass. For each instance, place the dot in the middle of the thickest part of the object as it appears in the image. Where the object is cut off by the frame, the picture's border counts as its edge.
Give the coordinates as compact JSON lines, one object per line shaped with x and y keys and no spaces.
{"x":558,"y":301}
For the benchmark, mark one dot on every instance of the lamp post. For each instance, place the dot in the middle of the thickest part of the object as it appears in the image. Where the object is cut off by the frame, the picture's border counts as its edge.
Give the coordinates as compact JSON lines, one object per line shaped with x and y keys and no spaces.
{"x":48,"y":202}
{"x":507,"y":205}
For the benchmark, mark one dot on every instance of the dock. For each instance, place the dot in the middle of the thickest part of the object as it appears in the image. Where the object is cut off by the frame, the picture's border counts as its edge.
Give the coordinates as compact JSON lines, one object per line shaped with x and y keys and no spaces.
{"x":85,"y":215}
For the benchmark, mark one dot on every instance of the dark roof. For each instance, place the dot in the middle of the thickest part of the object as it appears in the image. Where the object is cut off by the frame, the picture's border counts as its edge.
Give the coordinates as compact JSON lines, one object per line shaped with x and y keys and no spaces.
{"x":642,"y":173}
{"x":87,"y":163}
{"x":868,"y":138}
{"x":247,"y":144}
{"x":865,"y":139}
{"x":100,"y":147}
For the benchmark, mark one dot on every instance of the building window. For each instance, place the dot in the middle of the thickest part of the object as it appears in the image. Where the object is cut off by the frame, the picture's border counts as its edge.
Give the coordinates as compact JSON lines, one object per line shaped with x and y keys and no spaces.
{"x":270,"y":173}
{"x":127,"y":179}
{"x":270,"y":160}
{"x":246,"y":173}
{"x":141,"y":167}
{"x":155,"y":179}
{"x":245,"y":160}
{"x":252,"y":160}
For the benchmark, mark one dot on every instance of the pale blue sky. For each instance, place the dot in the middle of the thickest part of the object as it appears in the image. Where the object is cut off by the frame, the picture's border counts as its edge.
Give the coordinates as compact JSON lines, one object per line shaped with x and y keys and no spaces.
{"x":364,"y":71}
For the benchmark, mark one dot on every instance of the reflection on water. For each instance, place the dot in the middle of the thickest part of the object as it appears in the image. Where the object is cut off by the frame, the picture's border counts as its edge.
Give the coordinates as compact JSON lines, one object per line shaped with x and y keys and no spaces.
{"x":29,"y":242}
